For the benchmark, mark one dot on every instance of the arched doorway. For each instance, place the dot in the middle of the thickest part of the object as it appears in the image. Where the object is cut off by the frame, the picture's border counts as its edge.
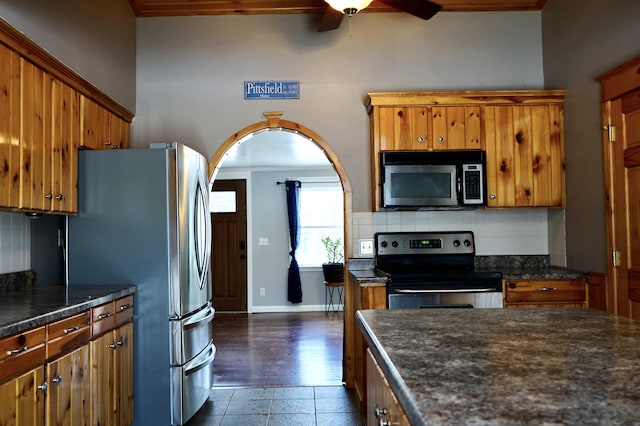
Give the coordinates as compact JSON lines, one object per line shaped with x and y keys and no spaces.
{"x":274,"y":121}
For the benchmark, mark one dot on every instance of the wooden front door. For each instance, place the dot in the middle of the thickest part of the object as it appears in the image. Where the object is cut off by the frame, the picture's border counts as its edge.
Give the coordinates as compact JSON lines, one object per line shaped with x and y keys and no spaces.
{"x":621,"y":125}
{"x":229,"y":245}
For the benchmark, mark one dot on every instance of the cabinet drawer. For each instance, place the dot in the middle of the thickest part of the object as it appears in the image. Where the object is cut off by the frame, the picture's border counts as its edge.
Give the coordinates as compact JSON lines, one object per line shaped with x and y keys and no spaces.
{"x":545,"y":291}
{"x":67,"y":334}
{"x":124,"y":310}
{"x":102,"y":319}
{"x":21,"y":352}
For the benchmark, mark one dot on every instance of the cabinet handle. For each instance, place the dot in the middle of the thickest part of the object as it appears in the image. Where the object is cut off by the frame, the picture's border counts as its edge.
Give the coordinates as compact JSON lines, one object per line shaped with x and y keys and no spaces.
{"x":57,"y":379}
{"x":43,"y":387}
{"x":103,"y":316}
{"x":125,"y":307}
{"x":59,"y":197}
{"x":114,"y":147}
{"x":120,"y":342}
{"x":49,"y":196}
{"x":547,"y":288}
{"x":113,"y":346}
{"x":107,"y":143}
{"x":17,"y":351}
{"x":69,"y":330}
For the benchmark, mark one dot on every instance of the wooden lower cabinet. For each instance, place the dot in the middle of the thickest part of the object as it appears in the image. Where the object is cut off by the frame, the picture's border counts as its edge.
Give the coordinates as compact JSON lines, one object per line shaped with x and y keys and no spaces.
{"x":366,"y":297}
{"x":112,"y":377}
{"x":544,"y":293}
{"x":54,"y":375}
{"x":382,"y":405}
{"x":23,"y":399}
{"x":68,"y":389}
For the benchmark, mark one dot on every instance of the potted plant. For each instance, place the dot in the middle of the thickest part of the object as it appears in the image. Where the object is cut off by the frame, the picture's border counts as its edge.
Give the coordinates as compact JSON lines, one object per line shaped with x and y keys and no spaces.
{"x":333,"y":269}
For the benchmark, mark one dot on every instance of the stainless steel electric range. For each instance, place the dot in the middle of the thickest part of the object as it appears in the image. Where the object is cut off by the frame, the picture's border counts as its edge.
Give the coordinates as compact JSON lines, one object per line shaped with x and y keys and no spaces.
{"x":434,"y":270}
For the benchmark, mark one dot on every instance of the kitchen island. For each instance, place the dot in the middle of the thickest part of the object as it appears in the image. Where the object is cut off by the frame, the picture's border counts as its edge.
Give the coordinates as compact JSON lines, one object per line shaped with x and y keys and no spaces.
{"x":508,"y":366}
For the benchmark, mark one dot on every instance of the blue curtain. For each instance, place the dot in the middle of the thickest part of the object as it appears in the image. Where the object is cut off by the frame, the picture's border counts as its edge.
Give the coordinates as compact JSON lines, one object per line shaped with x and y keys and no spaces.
{"x":294,"y":286}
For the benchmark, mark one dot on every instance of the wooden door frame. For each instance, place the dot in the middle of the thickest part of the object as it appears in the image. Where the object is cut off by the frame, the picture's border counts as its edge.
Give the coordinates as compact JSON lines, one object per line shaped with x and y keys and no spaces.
{"x":274,"y":121}
{"x":614,"y":84}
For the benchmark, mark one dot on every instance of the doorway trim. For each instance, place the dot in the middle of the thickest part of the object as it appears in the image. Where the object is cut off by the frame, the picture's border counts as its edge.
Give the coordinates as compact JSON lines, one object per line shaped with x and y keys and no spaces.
{"x":274,"y":121}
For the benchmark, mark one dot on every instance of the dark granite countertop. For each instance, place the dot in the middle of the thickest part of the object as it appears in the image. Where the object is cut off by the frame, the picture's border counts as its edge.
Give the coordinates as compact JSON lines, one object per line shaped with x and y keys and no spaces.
{"x":511,"y":267}
{"x":35,"y":305}
{"x":509,"y":366}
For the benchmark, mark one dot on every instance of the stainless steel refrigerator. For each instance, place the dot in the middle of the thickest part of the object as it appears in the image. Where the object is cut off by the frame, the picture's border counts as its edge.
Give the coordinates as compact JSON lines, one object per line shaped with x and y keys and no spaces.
{"x":143,"y":219}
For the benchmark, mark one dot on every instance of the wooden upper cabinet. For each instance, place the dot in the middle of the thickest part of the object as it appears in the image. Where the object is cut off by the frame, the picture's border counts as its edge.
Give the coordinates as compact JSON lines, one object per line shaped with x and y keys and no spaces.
{"x":455,"y":127}
{"x":49,"y":132}
{"x":101,"y":129}
{"x":9,"y":128}
{"x":525,"y":155}
{"x":522,"y":132}
{"x":402,"y":128}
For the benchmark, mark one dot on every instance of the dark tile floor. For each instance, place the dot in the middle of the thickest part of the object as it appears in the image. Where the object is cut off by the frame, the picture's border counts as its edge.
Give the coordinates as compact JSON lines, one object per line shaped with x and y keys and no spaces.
{"x":271,"y":406}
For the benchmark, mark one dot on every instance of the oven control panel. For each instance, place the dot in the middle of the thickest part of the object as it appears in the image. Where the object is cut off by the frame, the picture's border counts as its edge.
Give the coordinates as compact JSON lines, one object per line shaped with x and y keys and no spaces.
{"x":395,"y":243}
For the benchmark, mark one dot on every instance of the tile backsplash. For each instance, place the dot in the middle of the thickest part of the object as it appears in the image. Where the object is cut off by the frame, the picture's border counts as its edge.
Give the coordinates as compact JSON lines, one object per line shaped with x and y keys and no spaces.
{"x":15,"y":242}
{"x":497,"y":232}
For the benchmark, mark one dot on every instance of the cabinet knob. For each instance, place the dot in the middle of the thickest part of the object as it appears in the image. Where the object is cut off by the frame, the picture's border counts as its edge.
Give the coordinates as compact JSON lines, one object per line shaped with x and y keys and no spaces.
{"x":59,"y":197}
{"x":420,"y":139}
{"x":49,"y":196}
{"x":492,"y":196}
{"x":512,"y":285}
{"x":43,"y":387}
{"x":57,"y":379}
{"x":440,"y":139}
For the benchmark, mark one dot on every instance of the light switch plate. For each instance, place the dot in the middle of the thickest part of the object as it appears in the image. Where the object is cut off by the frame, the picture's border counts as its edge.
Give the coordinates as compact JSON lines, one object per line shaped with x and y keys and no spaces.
{"x":366,"y":247}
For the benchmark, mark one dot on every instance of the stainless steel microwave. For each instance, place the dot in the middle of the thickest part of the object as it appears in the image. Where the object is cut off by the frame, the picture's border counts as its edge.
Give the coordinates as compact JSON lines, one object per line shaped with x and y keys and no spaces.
{"x":447,"y":180}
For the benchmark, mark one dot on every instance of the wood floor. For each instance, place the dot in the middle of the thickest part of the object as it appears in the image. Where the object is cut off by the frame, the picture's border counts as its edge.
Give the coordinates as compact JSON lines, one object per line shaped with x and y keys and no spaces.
{"x":278,"y":349}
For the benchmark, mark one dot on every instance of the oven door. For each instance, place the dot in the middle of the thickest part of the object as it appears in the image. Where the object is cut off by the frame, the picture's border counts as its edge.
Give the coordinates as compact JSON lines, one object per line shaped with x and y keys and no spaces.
{"x":428,"y":299}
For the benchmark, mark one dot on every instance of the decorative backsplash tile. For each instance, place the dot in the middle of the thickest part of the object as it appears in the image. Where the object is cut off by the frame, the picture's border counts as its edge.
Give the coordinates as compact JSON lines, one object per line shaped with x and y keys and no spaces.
{"x":497,"y":232}
{"x":15,"y":243}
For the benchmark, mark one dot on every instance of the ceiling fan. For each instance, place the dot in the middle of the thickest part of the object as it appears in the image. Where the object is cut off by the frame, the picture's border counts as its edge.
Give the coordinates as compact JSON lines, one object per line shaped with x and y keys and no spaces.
{"x":336,"y":9}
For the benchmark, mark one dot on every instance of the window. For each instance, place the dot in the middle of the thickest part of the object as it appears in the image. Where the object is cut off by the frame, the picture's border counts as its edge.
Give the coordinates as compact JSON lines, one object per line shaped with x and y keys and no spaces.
{"x":321,"y":215}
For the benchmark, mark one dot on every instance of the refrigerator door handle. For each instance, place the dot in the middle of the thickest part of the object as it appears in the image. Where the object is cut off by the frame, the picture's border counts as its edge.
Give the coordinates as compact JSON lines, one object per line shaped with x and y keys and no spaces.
{"x":201,"y":361}
{"x":204,"y":316}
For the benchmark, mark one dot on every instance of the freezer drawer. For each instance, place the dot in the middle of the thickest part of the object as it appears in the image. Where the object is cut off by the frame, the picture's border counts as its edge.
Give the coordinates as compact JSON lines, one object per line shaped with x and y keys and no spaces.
{"x":191,"y":385}
{"x":190,"y":335}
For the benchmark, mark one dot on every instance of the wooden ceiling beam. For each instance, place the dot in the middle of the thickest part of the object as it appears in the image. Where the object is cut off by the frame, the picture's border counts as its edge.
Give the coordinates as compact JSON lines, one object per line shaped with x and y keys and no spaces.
{"x":261,"y":7}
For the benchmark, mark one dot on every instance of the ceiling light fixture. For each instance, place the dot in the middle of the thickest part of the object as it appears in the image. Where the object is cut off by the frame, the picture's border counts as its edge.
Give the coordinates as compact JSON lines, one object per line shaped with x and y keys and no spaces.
{"x":349,"y":7}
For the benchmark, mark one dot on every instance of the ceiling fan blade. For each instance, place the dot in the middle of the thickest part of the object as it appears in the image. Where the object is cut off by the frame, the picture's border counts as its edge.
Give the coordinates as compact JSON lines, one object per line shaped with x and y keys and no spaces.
{"x":424,"y":9}
{"x":330,"y":20}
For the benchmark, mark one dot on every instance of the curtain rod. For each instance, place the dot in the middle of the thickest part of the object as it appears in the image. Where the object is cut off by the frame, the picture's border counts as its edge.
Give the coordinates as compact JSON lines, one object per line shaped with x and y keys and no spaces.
{"x":310,"y":181}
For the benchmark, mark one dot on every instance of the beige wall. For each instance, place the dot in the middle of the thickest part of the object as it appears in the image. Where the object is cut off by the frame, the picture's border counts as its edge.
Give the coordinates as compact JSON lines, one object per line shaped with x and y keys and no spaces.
{"x":191,"y":72}
{"x":582,"y":39}
{"x":96,"y":38}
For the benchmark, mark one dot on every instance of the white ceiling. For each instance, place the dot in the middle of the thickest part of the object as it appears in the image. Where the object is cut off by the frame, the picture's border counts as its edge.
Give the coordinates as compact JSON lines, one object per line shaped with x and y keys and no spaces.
{"x":274,"y":148}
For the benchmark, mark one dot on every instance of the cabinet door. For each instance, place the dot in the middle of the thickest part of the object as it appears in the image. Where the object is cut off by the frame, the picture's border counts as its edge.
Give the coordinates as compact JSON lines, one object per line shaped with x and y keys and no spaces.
{"x":35,"y":137}
{"x":118,"y":133}
{"x":525,"y":156}
{"x":68,"y":389}
{"x":65,"y":138}
{"x":94,"y":125}
{"x":9,"y":128}
{"x":403,"y":128}
{"x":455,"y":127}
{"x":123,"y":369}
{"x":23,"y":400}
{"x":102,"y":380}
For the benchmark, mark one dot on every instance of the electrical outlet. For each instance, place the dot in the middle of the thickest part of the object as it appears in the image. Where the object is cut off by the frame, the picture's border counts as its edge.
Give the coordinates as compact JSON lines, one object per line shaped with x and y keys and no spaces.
{"x":366,"y":247}
{"x":263,"y":241}
{"x":262,"y":291}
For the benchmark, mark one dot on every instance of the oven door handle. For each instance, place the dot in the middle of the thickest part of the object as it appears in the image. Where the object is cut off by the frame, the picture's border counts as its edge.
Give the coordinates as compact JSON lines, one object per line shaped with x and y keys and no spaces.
{"x":451,"y":290}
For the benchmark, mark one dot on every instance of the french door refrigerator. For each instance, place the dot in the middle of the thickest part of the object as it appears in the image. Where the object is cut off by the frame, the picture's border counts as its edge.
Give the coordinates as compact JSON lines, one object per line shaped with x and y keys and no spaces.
{"x":143,"y":219}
